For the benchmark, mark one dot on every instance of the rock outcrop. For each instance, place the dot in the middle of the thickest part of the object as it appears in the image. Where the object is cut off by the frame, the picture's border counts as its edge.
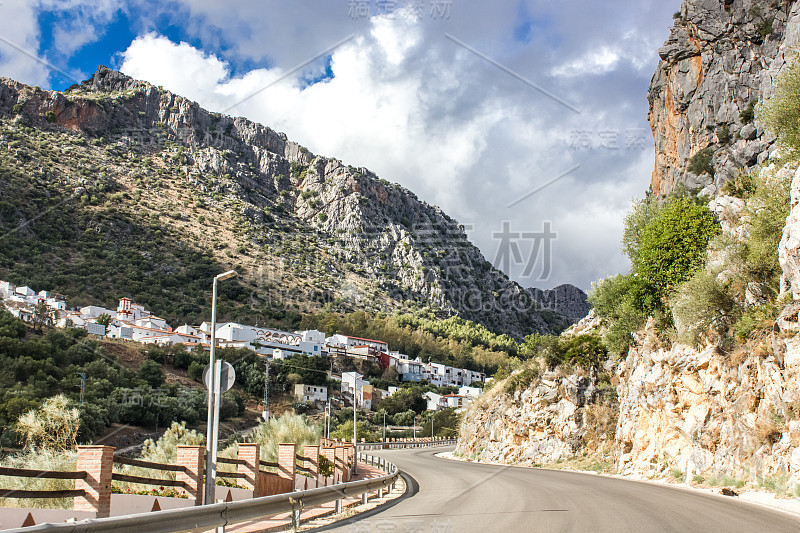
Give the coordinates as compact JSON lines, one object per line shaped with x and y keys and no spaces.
{"x":705,"y":412}
{"x":721,"y":59}
{"x":567,"y":300}
{"x":549,"y":419}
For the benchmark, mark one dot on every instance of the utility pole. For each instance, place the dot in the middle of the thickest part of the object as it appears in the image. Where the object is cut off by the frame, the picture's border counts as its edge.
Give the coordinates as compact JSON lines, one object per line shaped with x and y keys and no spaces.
{"x":83,"y":384}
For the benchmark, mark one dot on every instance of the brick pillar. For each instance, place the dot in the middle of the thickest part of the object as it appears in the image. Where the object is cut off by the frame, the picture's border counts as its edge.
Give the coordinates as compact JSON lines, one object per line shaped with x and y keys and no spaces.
{"x":351,"y":458}
{"x":330,"y":454}
{"x":287,"y":463}
{"x":312,"y":462}
{"x":192,"y":458}
{"x":341,"y":467}
{"x":250,"y":454}
{"x":97,"y":462}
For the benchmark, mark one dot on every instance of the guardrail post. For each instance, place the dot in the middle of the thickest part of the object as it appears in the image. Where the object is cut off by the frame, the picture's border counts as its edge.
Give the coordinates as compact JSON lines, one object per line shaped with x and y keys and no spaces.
{"x":287,"y":463}
{"x":311,"y":454}
{"x":97,"y":462}
{"x":250,"y":453}
{"x":192,"y":459}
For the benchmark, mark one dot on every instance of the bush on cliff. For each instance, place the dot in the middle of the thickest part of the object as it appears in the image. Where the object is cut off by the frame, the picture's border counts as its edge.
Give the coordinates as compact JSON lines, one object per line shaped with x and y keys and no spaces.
{"x":673,"y":245}
{"x":781,"y":113}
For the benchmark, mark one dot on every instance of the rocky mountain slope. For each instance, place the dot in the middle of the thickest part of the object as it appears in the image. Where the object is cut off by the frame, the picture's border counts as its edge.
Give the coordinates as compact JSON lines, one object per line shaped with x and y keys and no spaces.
{"x":567,"y":300}
{"x":719,"y":62}
{"x":157,"y":185}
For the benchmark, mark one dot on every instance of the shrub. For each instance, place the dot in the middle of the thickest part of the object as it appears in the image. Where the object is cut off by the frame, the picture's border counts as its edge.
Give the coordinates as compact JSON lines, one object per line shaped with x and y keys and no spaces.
{"x":781,"y":113}
{"x":742,"y":185}
{"x":702,"y":162}
{"x":748,"y":113}
{"x":641,"y":214}
{"x":288,"y":427}
{"x":724,"y":134}
{"x":756,"y":321}
{"x":363,"y":431}
{"x":764,"y":27}
{"x":54,"y":426}
{"x":50,"y":116}
{"x":703,"y":305}
{"x":768,"y":208}
{"x":625,"y":302}
{"x":673,"y":244}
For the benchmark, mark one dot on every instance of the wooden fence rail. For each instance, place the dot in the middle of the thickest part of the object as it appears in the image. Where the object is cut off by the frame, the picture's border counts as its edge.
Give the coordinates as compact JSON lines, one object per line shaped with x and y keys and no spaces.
{"x":149,"y":481}
{"x":147,"y":464}
{"x":43,"y":474}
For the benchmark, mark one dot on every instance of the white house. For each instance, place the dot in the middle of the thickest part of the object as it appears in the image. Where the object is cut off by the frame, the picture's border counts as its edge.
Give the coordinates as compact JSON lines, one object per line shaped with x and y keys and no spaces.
{"x":186,"y":329}
{"x":71,"y":320}
{"x":310,"y":393}
{"x":168,"y":339}
{"x":25,"y":291}
{"x":152,"y":322}
{"x":434,"y":401}
{"x":472,"y":392}
{"x":94,"y":311}
{"x":127,"y":311}
{"x":348,"y":342}
{"x":410,"y":370}
{"x":6,"y":289}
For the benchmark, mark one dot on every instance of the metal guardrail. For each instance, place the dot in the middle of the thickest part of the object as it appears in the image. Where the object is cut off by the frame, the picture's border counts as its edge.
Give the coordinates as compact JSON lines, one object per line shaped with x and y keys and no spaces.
{"x":389,"y":445}
{"x":224,"y":514}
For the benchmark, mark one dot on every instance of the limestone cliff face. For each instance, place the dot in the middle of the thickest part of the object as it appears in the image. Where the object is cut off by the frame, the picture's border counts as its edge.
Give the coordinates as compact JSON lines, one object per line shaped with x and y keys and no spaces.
{"x":721,"y":58}
{"x":702,"y":411}
{"x":551,"y":418}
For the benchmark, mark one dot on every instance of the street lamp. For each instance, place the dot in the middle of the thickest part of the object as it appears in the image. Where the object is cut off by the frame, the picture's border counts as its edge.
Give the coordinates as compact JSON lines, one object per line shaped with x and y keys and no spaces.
{"x":213,"y":397}
{"x":355,"y":427}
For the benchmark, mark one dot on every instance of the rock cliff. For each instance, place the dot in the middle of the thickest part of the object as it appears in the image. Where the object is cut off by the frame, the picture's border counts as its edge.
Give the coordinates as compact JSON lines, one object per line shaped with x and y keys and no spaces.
{"x":717,"y":410}
{"x":567,"y":300}
{"x":720,"y":60}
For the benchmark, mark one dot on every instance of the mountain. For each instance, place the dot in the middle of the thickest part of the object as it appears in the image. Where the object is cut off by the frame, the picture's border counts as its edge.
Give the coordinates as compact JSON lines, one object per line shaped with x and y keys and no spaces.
{"x":720,"y":60}
{"x":116,"y":187}
{"x":567,"y":300}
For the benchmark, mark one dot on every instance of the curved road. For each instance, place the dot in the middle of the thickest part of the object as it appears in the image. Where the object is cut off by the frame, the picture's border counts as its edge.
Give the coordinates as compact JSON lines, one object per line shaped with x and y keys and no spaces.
{"x":454,"y":496}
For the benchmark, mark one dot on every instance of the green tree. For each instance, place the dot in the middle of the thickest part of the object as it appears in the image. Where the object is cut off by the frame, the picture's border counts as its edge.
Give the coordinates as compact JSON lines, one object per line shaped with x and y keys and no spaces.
{"x":104,"y":319}
{"x":673,"y":245}
{"x":150,"y":372}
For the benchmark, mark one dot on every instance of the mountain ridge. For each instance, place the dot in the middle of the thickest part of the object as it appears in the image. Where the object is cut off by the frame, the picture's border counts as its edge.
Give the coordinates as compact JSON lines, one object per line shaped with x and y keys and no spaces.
{"x":305,"y":231}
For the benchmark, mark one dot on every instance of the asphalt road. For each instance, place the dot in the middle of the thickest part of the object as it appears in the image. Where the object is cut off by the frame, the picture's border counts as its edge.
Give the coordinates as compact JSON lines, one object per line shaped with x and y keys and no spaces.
{"x":451,"y":497}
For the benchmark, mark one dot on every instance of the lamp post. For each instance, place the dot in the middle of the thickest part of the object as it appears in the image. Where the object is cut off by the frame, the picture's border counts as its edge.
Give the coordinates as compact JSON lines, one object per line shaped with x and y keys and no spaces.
{"x":384,"y":426}
{"x":213,"y":397}
{"x":355,"y":427}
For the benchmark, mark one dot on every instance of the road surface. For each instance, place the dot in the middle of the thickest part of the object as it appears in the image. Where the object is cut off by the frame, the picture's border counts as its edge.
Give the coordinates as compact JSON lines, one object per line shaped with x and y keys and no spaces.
{"x":454,"y":497}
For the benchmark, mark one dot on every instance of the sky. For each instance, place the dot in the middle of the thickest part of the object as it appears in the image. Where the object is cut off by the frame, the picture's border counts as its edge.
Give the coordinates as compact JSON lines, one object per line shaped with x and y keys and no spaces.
{"x":524,"y":120}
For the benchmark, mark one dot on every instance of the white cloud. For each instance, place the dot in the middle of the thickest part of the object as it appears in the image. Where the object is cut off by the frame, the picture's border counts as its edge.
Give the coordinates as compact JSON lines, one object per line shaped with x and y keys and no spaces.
{"x":451,"y":127}
{"x":412,"y":105}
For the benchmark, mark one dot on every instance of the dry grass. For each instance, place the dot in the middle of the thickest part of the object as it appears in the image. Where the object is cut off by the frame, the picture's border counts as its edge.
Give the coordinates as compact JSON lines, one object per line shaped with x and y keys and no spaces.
{"x":54,"y":426}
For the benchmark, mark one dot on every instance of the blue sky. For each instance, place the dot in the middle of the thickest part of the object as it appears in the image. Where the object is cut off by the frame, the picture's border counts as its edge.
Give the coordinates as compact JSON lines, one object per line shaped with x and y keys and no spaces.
{"x":460,"y":101}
